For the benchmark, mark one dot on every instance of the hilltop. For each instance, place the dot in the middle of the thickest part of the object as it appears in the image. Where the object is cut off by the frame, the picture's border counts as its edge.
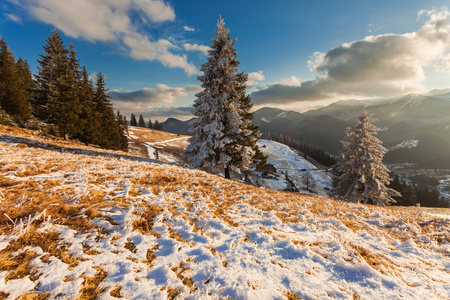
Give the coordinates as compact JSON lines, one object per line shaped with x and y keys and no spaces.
{"x":81,"y":222}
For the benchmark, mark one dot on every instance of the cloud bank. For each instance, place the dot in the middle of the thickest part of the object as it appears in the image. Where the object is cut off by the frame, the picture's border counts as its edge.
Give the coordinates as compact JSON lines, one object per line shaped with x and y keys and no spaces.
{"x":376,"y":66}
{"x":154,"y":102}
{"x":110,"y":21}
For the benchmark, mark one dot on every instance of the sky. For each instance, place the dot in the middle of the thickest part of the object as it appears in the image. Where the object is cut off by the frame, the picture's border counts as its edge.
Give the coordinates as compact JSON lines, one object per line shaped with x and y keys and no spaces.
{"x":299,"y":55}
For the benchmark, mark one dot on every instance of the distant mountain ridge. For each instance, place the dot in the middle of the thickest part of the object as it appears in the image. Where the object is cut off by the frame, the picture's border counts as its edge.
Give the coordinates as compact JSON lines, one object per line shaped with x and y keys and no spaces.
{"x":422,"y":118}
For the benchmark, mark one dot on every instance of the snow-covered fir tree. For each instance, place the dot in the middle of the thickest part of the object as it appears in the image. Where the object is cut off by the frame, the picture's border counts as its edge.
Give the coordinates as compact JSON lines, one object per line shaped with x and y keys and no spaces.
{"x":220,"y":135}
{"x":361,"y":175}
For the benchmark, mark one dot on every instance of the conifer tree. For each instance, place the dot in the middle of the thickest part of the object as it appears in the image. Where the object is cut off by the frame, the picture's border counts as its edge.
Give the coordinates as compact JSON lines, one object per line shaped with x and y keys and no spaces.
{"x":54,"y":53}
{"x":157,"y":125}
{"x":63,"y":97}
{"x":123,"y":129}
{"x":150,"y":126}
{"x":14,"y":84}
{"x":133,"y":121}
{"x":219,"y":131}
{"x":89,"y":120}
{"x":410,"y":195}
{"x":125,"y":123}
{"x":111,"y":131}
{"x":250,"y":131}
{"x":141,"y":121}
{"x":361,"y":175}
{"x":27,"y":86}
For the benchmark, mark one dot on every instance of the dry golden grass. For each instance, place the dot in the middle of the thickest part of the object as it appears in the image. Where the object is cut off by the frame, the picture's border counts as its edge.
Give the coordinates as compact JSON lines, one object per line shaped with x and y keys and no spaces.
{"x":3,"y":295}
{"x":92,"y":285}
{"x":180,"y":271}
{"x":116,"y":292}
{"x":172,"y":293}
{"x":34,"y":296}
{"x":48,"y":241}
{"x":130,"y":246}
{"x":291,"y":296}
{"x":19,"y":265}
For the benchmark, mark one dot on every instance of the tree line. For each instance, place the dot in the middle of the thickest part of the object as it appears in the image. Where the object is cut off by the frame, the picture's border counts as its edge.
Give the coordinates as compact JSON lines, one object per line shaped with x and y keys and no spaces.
{"x":418,"y":190}
{"x":61,"y":97}
{"x":141,"y":123}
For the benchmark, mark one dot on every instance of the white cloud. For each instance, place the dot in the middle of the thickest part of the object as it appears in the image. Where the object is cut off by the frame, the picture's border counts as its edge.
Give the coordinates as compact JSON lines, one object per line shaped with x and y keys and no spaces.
{"x":254,"y":78}
{"x":187,"y":28}
{"x":292,"y":81}
{"x":13,"y":18}
{"x":109,"y":21}
{"x":376,"y":66}
{"x":196,"y":47}
{"x":155,"y":10}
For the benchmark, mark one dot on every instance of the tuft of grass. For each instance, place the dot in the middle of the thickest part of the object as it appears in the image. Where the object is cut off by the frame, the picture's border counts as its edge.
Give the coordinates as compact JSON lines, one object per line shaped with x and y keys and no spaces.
{"x":130,"y":246}
{"x":33,"y":296}
{"x":179,"y":270}
{"x":89,"y":251}
{"x":3,"y":295}
{"x":151,"y":255}
{"x":91,"y":285}
{"x":116,"y":292}
{"x":20,"y":264}
{"x":48,"y":241}
{"x":172,"y":293}
{"x":291,"y":296}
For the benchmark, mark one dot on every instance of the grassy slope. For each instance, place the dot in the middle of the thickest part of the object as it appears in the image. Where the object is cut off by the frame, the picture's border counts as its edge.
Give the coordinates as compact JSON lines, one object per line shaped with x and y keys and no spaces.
{"x":81,"y":222}
{"x":169,"y":145}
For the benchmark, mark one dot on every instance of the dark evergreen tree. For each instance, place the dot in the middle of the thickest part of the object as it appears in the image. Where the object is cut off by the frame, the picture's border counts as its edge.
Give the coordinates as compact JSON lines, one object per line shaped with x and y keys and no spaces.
{"x":133,"y":121}
{"x":123,"y":130}
{"x":63,"y":98}
{"x":14,"y":84}
{"x":150,"y":126}
{"x":125,"y":123}
{"x":54,"y":51}
{"x":361,"y":175}
{"x":111,"y":131}
{"x":89,"y":119}
{"x":157,"y":125}
{"x":410,"y":195}
{"x":141,"y":122}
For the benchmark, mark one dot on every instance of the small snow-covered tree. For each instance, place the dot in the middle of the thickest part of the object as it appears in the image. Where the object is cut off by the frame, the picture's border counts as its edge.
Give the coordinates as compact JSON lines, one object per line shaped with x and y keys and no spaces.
{"x":219,"y":132}
{"x":361,"y":175}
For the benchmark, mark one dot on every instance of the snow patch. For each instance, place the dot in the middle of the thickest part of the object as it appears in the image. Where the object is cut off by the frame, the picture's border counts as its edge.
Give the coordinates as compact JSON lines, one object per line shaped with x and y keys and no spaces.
{"x":282,"y":115}
{"x":265,"y":120}
{"x":405,"y":144}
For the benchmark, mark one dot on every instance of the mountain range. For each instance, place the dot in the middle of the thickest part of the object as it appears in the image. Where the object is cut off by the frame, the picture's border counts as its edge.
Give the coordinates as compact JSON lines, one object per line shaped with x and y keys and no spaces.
{"x":415,"y":128}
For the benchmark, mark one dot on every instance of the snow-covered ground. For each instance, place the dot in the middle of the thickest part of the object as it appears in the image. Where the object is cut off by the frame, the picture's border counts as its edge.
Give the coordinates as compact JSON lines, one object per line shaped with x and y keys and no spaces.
{"x":158,"y":145}
{"x":285,"y":160}
{"x":82,"y":222}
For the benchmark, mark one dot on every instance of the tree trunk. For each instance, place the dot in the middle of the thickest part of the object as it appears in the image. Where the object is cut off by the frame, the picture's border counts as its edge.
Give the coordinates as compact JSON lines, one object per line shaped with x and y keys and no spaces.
{"x":227,"y":172}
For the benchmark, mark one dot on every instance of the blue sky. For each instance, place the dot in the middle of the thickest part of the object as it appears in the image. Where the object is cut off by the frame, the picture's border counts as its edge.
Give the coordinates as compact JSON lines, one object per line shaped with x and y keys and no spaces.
{"x":299,"y":54}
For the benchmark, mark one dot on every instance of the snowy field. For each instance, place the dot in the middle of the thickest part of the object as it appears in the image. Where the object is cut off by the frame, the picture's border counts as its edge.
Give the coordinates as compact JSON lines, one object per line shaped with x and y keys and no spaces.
{"x":81,"y":222}
{"x":286,"y":160}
